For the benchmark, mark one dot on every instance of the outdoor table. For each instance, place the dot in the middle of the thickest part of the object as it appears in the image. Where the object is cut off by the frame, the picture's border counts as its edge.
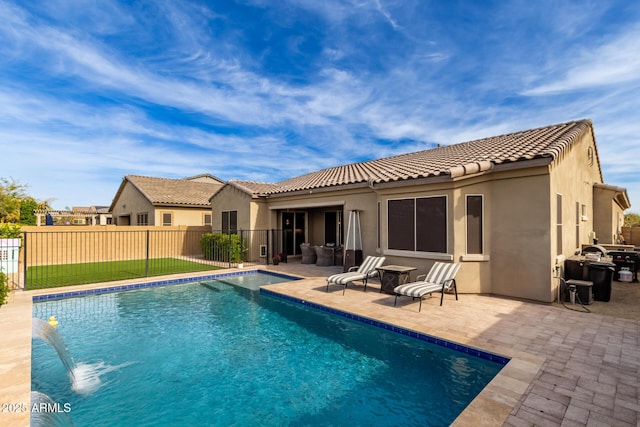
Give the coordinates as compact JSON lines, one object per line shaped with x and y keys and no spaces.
{"x":392,"y":276}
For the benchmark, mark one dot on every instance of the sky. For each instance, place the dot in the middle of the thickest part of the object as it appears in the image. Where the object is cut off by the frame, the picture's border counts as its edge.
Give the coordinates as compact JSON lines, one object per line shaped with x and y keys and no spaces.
{"x":265,"y":90}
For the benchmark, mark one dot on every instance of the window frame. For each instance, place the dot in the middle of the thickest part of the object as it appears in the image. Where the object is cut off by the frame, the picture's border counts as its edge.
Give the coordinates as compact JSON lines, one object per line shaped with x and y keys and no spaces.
{"x":146,"y":217}
{"x":481,"y":223}
{"x":162,"y":217}
{"x":417,"y":226}
{"x":227,"y":228}
{"x":559,"y":231}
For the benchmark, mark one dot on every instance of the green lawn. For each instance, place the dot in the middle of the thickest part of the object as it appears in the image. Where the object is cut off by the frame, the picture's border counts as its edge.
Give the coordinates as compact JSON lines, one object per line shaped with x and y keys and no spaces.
{"x":94,"y":272}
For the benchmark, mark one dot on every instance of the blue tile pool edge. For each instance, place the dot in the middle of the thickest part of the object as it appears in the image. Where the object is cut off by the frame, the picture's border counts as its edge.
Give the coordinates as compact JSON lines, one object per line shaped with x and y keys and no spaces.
{"x":393,"y":328}
{"x":120,"y":288}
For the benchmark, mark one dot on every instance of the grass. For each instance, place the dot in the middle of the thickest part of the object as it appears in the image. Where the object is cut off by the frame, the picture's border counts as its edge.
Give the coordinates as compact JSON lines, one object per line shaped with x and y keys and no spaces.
{"x":41,"y":277}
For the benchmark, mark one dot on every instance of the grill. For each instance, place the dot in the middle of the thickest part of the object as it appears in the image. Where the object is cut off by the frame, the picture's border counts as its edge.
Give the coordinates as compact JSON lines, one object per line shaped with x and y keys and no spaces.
{"x":626,"y":259}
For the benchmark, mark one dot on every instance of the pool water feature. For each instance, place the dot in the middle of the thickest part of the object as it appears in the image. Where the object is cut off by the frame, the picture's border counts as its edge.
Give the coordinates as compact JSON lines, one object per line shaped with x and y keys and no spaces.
{"x":216,"y":353}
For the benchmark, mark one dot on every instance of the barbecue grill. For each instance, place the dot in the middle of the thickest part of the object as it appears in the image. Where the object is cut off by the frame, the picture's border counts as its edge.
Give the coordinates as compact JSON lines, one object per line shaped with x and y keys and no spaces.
{"x":626,"y":259}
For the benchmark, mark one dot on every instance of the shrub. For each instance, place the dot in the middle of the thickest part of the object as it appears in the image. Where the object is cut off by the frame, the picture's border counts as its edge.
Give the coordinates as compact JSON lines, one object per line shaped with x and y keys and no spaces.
{"x":223,"y":247}
{"x":4,"y":288}
{"x":9,"y":230}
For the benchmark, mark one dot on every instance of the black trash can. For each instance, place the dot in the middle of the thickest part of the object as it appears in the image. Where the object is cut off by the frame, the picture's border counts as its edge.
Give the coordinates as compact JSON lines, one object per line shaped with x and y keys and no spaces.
{"x":576,"y":268}
{"x":601,"y":274}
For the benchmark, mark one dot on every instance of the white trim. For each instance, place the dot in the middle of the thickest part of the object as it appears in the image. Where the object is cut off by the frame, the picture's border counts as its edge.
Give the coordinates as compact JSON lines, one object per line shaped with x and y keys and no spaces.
{"x":475,"y":258}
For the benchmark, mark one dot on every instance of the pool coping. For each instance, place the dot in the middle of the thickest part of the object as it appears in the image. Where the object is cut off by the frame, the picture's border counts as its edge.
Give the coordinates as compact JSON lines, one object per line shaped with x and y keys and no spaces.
{"x":491,"y":406}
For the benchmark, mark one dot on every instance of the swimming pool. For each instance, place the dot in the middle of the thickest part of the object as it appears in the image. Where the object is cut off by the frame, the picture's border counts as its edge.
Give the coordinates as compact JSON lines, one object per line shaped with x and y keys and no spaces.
{"x":215,"y":352}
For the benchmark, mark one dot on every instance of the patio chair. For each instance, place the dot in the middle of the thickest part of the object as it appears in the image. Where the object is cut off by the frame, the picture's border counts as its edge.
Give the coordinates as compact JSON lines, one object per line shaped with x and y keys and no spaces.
{"x":308,"y":252}
{"x":440,"y":278}
{"x":324,"y":255}
{"x":362,"y":272}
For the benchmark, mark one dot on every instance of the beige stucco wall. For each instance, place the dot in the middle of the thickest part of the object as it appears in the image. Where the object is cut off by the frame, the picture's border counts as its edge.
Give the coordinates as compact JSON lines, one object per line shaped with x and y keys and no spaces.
{"x":520,"y":235}
{"x":229,"y":198}
{"x":608,"y":215}
{"x":573,"y":176}
{"x":180,"y":216}
{"x":130,"y":203}
{"x":515,"y":231}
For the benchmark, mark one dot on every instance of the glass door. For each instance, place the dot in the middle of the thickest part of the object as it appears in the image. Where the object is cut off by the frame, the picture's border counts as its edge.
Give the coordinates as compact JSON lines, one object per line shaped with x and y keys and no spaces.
{"x":294,"y":231}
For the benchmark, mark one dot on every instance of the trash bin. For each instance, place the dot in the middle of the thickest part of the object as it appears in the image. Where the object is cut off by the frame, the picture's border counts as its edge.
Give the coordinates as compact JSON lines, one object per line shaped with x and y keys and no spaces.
{"x":575,"y":268}
{"x":601,"y":274}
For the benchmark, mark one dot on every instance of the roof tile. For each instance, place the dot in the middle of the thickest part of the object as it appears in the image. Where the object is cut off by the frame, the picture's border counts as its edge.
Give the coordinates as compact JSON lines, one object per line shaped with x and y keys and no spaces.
{"x":166,"y":191}
{"x":455,"y":160}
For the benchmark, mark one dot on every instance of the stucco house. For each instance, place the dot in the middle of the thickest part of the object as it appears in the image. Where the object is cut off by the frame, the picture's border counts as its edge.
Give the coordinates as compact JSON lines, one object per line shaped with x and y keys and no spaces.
{"x":509,"y":208}
{"x":145,"y":200}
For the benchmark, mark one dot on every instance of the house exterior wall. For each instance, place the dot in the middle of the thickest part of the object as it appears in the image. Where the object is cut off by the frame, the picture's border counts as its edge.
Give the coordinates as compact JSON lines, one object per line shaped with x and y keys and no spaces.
{"x":130,"y":203}
{"x":573,"y":176}
{"x":519,"y":236}
{"x":179,"y":215}
{"x":229,"y":198}
{"x":510,"y":243}
{"x":608,"y":216}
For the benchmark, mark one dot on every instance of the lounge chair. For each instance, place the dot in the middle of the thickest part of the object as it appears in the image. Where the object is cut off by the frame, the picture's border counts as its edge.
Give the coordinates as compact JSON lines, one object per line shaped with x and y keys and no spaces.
{"x":362,"y":272}
{"x":440,"y":278}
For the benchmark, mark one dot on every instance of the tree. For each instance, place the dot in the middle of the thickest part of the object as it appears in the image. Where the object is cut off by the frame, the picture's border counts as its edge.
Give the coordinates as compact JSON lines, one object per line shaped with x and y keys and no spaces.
{"x":11,"y":194}
{"x":632,"y":220}
{"x":27,"y":206}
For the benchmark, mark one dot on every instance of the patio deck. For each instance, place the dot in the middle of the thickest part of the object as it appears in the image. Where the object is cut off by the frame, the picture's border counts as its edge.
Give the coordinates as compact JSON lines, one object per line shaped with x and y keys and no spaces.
{"x":568,"y":368}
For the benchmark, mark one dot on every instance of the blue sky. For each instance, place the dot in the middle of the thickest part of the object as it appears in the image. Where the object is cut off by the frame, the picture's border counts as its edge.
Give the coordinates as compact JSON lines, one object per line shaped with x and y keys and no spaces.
{"x":267,"y":90}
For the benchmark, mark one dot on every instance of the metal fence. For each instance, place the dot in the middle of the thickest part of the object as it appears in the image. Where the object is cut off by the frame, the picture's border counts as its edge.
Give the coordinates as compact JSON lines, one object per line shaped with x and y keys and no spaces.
{"x":55,"y":258}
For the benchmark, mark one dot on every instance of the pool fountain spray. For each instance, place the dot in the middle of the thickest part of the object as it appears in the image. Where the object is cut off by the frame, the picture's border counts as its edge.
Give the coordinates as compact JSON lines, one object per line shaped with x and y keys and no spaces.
{"x":43,"y":330}
{"x":85,"y":378}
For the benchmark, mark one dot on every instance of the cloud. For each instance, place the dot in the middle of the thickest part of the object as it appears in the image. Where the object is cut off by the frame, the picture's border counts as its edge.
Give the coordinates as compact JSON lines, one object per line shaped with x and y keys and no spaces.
{"x":609,"y":64}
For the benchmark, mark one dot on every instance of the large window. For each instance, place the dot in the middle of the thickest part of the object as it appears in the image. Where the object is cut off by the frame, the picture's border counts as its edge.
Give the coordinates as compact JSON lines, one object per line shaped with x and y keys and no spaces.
{"x":230,"y":222}
{"x":475,"y":224}
{"x":142,"y":218}
{"x":167,"y":218}
{"x":418,"y":224}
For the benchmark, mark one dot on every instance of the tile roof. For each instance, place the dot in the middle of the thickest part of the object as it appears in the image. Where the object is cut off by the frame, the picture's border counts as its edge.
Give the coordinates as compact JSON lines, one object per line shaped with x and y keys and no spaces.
{"x":253,"y":187}
{"x":174,"y":192}
{"x":453,"y":160}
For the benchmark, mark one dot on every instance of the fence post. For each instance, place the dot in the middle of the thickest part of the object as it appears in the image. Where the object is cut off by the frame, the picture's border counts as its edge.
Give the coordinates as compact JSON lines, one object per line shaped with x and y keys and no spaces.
{"x":24,"y":263}
{"x":146,"y":267}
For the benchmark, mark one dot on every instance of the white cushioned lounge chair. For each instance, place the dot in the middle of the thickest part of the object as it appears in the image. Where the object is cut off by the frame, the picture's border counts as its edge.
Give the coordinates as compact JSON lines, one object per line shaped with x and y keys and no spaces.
{"x":358,"y":272}
{"x":440,"y":278}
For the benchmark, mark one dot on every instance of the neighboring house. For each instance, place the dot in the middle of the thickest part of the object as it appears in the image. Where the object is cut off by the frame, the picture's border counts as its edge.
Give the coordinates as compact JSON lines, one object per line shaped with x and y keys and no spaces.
{"x":79,"y":215}
{"x":144,"y":200}
{"x":93,"y":215}
{"x":509,"y":208}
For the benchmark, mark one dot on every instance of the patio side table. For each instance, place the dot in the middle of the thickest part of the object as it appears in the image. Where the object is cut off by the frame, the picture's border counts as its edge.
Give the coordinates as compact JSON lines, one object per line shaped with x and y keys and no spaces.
{"x":392,"y":276}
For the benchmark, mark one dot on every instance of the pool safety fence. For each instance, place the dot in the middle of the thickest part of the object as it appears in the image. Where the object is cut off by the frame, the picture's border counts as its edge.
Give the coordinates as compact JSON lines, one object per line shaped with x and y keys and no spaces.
{"x":69,"y":257}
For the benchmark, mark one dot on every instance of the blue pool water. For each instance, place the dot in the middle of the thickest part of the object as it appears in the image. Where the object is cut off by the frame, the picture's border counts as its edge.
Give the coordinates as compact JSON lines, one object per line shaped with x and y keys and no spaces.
{"x":221,"y":353}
